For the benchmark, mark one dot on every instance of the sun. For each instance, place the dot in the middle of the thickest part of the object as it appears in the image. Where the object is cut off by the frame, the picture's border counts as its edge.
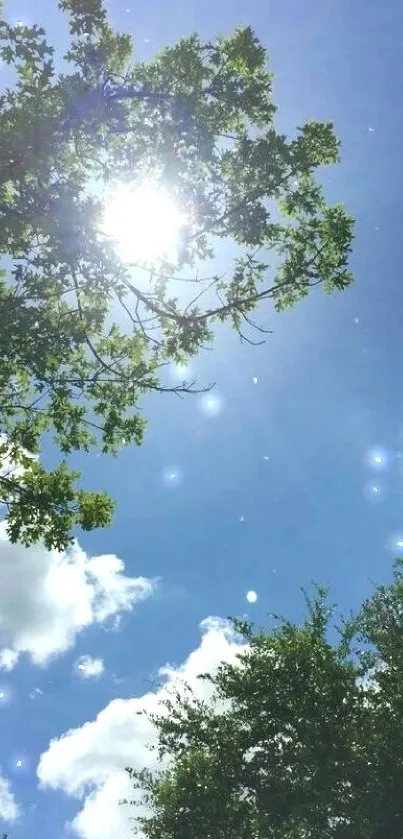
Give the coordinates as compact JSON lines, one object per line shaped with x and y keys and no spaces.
{"x":143,"y":221}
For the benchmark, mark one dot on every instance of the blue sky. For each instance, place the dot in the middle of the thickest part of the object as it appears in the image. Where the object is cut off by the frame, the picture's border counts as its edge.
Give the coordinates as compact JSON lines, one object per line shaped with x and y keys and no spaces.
{"x":297,"y":476}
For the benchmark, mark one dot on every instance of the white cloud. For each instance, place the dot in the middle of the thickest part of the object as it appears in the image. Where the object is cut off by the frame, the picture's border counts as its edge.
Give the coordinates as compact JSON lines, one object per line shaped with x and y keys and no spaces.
{"x":89,"y":762}
{"x":89,"y":668}
{"x":8,"y":659}
{"x":47,"y":597}
{"x":9,"y":809}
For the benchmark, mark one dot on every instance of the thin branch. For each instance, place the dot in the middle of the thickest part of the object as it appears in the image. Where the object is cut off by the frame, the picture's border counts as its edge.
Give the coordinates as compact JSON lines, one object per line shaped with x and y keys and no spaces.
{"x":244,"y":339}
{"x":201,"y":293}
{"x":180,"y":319}
{"x":256,"y":325}
{"x":162,"y":276}
{"x":142,"y":381}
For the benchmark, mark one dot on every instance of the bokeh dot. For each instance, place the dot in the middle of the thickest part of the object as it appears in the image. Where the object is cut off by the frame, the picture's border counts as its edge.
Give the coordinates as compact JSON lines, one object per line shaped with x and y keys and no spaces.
{"x":211,"y":404}
{"x":373,"y":491}
{"x":172,"y":476}
{"x":378,"y":459}
{"x":395,"y":543}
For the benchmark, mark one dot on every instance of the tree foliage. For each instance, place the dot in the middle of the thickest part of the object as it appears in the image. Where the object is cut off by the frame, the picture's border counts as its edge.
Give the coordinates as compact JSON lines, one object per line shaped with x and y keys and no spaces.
{"x":302,"y":738}
{"x":84,"y":335}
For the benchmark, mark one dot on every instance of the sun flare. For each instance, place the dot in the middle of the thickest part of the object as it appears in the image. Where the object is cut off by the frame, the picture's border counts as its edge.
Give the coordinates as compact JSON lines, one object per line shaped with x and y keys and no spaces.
{"x":144,"y":222}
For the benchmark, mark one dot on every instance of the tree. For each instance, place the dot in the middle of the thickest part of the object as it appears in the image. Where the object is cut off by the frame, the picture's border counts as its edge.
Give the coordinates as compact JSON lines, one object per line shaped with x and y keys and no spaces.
{"x":198,"y":121}
{"x":302,"y":737}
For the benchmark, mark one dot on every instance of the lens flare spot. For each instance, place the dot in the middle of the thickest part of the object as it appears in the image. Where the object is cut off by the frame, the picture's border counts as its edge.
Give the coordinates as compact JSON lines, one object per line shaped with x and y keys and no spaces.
{"x":172,"y":476}
{"x":378,"y":459}
{"x":181,"y":372}
{"x":211,"y":405}
{"x":395,"y":543}
{"x":373,"y":492}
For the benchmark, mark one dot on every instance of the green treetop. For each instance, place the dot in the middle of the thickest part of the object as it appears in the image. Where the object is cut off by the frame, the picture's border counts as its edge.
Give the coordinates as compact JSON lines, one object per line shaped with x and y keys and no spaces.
{"x":84,"y":333}
{"x":302,"y":738}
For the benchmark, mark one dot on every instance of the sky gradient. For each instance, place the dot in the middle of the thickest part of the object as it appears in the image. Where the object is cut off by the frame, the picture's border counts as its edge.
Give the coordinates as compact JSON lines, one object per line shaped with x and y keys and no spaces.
{"x":294,"y":474}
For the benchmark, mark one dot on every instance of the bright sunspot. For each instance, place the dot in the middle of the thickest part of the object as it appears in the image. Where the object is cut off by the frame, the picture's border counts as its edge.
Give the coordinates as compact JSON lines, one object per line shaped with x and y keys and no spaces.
{"x":144,"y":222}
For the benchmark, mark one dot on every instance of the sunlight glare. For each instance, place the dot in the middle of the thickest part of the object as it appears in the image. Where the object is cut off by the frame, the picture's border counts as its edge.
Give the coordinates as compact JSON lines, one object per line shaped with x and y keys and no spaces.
{"x":144,"y":222}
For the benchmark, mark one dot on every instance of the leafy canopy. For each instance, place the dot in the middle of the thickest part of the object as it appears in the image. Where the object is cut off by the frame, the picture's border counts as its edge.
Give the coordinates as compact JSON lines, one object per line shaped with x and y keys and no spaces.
{"x":302,"y":738}
{"x":84,"y":334}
